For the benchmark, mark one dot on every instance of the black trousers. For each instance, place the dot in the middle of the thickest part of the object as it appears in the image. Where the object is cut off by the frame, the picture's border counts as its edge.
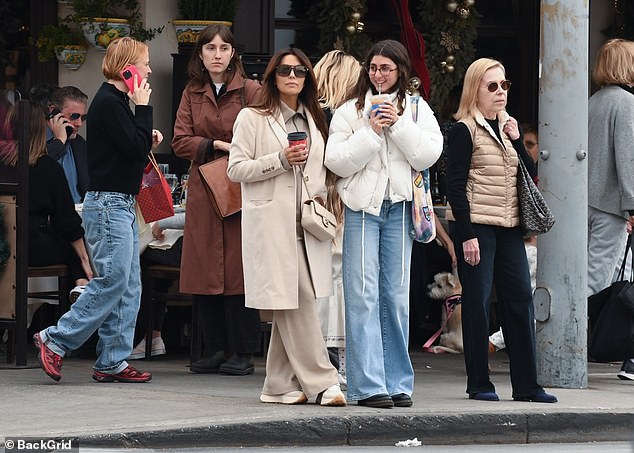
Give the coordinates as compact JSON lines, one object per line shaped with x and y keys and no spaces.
{"x":503,"y":264}
{"x":227,"y":325}
{"x":169,"y":257}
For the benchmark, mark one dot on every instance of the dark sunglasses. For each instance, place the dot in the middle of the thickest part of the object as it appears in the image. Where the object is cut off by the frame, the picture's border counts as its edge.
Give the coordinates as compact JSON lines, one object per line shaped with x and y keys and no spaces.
{"x":76,"y":116}
{"x":493,"y":86}
{"x":284,"y":70}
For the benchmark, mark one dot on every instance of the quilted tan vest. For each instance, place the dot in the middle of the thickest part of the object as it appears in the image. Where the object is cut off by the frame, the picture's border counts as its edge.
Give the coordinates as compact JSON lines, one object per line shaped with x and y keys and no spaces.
{"x":492,"y":182}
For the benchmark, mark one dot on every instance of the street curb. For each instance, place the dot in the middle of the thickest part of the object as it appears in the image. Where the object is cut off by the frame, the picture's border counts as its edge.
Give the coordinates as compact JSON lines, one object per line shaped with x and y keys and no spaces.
{"x":512,"y":428}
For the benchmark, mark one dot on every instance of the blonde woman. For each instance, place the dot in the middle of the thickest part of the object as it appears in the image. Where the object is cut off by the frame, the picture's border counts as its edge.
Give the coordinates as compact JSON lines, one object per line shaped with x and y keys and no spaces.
{"x":337,"y":73}
{"x":119,"y":140}
{"x":484,"y":151}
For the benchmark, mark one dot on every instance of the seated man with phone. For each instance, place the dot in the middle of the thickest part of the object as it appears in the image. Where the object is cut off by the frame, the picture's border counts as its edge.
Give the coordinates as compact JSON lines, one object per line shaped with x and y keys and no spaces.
{"x":67,"y":112}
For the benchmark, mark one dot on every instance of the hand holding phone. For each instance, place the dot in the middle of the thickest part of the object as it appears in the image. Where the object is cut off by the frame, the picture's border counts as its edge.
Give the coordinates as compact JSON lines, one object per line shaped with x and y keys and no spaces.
{"x":53,"y":113}
{"x":128,"y":74}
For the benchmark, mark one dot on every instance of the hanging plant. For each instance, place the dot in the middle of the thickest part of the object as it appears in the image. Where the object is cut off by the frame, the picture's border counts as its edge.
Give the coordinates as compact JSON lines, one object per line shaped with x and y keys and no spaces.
{"x":89,"y":11}
{"x":52,"y":36}
{"x":450,"y":30}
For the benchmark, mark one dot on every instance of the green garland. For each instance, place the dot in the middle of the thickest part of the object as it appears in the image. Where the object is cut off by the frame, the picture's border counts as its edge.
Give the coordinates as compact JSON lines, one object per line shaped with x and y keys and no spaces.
{"x":446,"y":33}
{"x":332,"y":17}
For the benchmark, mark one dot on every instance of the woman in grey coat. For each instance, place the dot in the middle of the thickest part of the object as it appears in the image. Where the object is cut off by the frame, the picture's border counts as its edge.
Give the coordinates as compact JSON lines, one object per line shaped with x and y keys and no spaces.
{"x":610,"y":166}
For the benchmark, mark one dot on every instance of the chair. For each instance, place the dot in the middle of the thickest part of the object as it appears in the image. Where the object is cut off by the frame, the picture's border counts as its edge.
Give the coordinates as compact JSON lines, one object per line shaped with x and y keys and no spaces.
{"x":161,"y":271}
{"x":60,"y":295}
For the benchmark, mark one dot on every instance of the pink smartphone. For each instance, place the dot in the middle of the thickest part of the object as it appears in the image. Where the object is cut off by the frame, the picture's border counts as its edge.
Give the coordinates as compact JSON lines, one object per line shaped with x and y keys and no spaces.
{"x":128,"y":74}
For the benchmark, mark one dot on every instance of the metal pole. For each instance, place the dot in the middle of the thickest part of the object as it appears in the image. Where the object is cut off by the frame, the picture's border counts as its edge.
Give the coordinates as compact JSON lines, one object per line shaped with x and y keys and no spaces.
{"x":560,"y":297}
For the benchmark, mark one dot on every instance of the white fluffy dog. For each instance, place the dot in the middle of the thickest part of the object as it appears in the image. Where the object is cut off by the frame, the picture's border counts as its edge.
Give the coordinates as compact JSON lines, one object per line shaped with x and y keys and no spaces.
{"x":447,"y":288}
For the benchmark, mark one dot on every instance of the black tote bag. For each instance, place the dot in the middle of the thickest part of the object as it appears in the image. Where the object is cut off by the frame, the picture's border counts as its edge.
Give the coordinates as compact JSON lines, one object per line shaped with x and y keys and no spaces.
{"x":610,"y":322}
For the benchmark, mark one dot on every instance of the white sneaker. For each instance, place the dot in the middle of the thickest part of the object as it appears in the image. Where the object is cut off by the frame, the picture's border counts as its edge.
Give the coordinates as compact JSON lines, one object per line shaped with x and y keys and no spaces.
{"x":332,"y":396}
{"x":294,"y":397}
{"x":76,"y":292}
{"x":158,"y":348}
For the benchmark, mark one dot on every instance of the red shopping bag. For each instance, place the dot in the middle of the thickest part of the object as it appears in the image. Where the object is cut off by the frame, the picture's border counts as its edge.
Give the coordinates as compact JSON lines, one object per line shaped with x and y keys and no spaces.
{"x":155,"y":195}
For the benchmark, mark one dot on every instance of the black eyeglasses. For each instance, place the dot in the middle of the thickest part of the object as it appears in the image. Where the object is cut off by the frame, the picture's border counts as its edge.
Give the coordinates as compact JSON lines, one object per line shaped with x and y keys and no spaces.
{"x":504,"y":84}
{"x":76,"y":116}
{"x":284,"y":70}
{"x":384,"y":70}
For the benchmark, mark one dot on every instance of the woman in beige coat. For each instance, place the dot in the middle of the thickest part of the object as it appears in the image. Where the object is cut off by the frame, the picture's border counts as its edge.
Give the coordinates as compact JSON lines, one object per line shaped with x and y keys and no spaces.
{"x":286,"y":268}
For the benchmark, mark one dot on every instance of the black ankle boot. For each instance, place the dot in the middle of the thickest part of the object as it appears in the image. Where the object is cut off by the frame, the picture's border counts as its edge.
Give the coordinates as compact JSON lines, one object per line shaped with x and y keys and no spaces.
{"x":238,"y":365}
{"x":209,"y":364}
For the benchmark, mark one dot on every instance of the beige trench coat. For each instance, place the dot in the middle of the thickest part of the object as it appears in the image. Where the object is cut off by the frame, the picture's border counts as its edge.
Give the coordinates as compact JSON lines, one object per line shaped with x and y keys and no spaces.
{"x":269,"y":240}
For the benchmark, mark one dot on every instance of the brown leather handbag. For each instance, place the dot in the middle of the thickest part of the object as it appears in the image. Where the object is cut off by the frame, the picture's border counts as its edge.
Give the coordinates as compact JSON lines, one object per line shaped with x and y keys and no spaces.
{"x":224,"y":194}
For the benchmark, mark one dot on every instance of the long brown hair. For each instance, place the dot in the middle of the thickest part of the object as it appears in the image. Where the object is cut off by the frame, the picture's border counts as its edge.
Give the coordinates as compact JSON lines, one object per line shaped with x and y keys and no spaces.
{"x":37,"y":133}
{"x":396,"y":52}
{"x":195,"y":68}
{"x":270,"y":96}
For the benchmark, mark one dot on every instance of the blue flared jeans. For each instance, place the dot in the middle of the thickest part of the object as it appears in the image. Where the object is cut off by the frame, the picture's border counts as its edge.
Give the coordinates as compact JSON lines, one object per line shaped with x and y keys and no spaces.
{"x":376,"y":262}
{"x":112,"y":298}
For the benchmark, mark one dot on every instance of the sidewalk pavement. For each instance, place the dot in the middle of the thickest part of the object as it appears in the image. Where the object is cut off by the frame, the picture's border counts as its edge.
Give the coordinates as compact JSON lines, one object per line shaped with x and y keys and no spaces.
{"x":183,"y":409}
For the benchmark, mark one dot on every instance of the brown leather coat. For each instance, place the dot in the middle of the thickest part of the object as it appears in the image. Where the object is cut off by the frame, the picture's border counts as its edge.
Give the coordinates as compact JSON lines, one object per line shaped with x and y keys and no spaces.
{"x":212,"y":255}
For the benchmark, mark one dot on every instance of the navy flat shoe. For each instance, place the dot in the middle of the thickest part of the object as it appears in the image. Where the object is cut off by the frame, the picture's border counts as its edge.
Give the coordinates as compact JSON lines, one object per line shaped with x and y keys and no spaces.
{"x":538,"y":397}
{"x":402,"y":400}
{"x":381,"y":400}
{"x":484,"y":396}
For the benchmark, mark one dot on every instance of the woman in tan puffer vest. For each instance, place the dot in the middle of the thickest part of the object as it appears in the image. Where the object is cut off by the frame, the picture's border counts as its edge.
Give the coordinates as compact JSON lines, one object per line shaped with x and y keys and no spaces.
{"x":484,"y":148}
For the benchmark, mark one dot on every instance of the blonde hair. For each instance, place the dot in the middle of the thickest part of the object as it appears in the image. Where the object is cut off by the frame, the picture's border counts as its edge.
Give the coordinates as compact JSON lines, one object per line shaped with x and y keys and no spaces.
{"x":615,"y":63}
{"x":469,"y":100}
{"x":120,"y":53}
{"x":337,"y":74}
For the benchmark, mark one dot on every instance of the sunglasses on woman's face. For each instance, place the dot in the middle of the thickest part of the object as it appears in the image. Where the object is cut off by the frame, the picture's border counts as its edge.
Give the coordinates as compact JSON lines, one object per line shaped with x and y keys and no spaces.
{"x":504,"y":84}
{"x":284,"y":70}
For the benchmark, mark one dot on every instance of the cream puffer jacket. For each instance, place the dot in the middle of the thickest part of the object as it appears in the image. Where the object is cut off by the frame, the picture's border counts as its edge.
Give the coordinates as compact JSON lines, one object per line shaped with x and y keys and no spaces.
{"x":366,"y":162}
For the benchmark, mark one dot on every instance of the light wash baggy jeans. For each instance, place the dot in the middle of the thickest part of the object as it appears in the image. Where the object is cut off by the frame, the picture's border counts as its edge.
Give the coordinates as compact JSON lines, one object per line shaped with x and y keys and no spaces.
{"x":112,"y":298}
{"x":376,"y":260}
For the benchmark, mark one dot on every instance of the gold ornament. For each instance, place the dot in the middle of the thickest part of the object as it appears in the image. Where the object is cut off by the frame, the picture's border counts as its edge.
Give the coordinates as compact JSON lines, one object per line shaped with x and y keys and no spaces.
{"x":449,"y":68}
{"x":450,"y":59}
{"x":413,"y":86}
{"x":350,"y":29}
{"x":452,"y":6}
{"x":463,"y":13}
{"x":360,"y":26}
{"x":356,"y":16}
{"x":470,"y":2}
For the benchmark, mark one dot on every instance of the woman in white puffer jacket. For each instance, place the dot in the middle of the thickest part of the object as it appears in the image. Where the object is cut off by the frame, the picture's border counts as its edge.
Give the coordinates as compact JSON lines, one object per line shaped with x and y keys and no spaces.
{"x":373,"y":151}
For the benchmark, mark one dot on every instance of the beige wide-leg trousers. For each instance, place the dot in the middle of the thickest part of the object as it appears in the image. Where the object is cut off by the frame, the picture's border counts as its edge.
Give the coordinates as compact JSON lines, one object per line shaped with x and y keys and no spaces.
{"x":297,"y":357}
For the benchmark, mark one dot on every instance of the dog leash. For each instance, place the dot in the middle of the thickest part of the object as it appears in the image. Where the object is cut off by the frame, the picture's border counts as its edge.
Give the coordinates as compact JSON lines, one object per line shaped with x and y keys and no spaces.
{"x":450,"y":306}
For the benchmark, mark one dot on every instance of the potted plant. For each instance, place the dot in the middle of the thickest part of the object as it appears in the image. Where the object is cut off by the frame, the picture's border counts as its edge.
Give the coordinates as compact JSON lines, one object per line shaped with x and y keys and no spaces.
{"x":198,"y":14}
{"x":105,"y":20}
{"x":64,"y":42}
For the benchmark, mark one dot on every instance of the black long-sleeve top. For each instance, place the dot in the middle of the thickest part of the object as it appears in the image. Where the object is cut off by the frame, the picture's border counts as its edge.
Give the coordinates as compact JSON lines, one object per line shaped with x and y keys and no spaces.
{"x":118,"y":141}
{"x":460,"y":149}
{"x":50,"y":201}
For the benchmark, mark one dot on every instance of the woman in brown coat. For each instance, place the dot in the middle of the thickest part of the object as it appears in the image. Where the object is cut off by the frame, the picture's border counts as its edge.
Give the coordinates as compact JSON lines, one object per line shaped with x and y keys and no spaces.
{"x":211,"y":265}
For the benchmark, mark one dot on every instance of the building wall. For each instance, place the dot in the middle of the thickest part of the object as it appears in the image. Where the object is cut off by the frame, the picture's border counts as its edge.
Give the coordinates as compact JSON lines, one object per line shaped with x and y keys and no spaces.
{"x":89,"y":77}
